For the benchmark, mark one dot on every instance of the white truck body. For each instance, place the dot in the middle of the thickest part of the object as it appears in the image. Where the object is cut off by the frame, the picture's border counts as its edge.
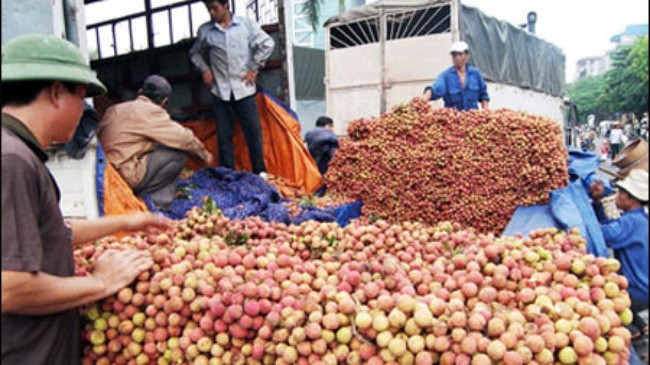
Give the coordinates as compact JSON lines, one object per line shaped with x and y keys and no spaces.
{"x":77,"y":182}
{"x":366,"y":79}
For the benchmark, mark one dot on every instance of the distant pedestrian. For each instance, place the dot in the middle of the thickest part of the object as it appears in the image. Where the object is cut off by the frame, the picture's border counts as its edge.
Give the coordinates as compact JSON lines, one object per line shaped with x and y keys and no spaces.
{"x":615,"y":140}
{"x":461,"y":87}
{"x":322,"y":143}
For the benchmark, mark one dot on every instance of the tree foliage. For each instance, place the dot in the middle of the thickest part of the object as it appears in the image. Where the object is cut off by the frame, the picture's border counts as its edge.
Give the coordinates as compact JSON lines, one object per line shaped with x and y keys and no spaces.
{"x":312,"y":8}
{"x":585,"y":94}
{"x":622,"y":89}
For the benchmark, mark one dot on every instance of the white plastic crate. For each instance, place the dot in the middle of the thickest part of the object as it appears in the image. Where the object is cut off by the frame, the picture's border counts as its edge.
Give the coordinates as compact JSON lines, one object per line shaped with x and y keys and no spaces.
{"x":76,"y":180}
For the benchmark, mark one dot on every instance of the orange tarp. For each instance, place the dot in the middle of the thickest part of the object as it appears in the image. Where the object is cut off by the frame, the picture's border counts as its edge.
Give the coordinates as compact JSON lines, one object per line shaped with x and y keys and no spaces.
{"x":285,"y":155}
{"x":118,"y":197}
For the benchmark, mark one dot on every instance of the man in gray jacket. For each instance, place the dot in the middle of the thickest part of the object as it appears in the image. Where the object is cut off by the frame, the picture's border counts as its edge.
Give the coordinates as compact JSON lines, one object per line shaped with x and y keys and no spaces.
{"x":229,"y":51}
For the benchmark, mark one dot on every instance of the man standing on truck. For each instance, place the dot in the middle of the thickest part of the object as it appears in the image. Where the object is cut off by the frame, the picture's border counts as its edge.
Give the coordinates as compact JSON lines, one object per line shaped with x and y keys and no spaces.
{"x":146,"y":146}
{"x":230,"y":51}
{"x":461,"y":86}
{"x":44,"y":81}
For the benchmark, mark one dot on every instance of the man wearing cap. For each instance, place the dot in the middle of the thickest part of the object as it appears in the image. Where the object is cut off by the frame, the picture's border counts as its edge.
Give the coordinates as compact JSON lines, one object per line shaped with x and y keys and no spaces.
{"x":148,"y":148}
{"x":628,"y":237}
{"x":229,"y":52}
{"x":45,"y":80}
{"x":461,"y":87}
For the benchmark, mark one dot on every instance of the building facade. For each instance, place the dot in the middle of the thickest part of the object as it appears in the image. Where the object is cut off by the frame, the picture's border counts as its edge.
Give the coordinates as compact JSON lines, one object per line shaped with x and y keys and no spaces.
{"x":591,"y":66}
{"x":594,"y":66}
{"x":631,"y":33}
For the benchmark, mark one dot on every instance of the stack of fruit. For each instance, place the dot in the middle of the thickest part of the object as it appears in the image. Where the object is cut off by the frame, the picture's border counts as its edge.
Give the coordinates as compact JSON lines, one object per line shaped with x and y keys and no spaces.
{"x":431,"y":165}
{"x":249,"y":292}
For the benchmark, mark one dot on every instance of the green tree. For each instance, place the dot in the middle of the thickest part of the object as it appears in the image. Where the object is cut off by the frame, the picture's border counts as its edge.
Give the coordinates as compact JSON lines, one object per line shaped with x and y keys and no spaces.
{"x":624,"y":88}
{"x":585,"y":94}
{"x":312,"y":9}
{"x":626,"y":83}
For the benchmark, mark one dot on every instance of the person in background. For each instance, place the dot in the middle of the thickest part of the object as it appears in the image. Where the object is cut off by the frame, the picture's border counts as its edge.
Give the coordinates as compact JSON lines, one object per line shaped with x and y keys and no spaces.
{"x":461,"y":87}
{"x":604,"y":150}
{"x":322,"y":143}
{"x":615,"y":140}
{"x":85,"y":132}
{"x":44,"y":81}
{"x":146,"y":146}
{"x":230,"y":51}
{"x":627,"y":129}
{"x":587,"y":143}
{"x":628,"y":237}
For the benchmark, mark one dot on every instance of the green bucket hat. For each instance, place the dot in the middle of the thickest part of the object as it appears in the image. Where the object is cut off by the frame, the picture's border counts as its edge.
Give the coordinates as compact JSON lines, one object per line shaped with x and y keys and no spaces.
{"x":46,"y":57}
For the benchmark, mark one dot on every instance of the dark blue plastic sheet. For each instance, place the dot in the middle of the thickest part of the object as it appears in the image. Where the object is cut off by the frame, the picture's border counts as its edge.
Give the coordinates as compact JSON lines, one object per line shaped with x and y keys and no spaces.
{"x":241,"y":194}
{"x":100,"y":166}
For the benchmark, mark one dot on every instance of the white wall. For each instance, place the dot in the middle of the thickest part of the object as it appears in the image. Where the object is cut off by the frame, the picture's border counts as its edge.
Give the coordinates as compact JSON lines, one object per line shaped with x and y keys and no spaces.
{"x":512,"y":97}
{"x":353,"y":75}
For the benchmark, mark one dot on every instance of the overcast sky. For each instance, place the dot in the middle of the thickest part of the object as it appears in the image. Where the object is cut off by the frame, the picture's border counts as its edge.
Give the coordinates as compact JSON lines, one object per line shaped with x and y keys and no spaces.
{"x":581,"y":28}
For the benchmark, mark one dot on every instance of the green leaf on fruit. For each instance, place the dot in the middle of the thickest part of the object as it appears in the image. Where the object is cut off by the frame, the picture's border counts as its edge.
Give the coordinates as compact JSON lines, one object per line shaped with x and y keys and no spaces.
{"x":209,"y":205}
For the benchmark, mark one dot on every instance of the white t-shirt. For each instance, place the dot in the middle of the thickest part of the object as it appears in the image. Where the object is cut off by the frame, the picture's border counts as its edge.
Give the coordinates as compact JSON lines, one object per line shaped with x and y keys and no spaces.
{"x":616,"y":136}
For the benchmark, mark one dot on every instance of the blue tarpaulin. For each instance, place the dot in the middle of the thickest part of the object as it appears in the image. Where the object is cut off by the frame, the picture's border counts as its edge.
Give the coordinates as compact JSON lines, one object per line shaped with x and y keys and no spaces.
{"x":527,"y":219}
{"x":569,"y":207}
{"x":634,"y":358}
{"x":583,"y":165}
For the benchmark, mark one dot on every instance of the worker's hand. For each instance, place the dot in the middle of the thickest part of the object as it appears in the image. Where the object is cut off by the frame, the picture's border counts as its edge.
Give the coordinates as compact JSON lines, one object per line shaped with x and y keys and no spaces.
{"x":249,"y":77}
{"x":428,"y":94}
{"x":597,"y":190}
{"x":210,"y":161}
{"x":147,"y":221}
{"x":117,"y":269}
{"x":208,"y":78}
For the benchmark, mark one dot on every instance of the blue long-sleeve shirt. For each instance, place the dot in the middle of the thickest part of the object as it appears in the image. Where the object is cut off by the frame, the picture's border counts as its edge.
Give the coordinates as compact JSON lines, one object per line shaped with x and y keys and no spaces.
{"x":322,"y":143}
{"x":628,"y":237}
{"x":447,"y":86}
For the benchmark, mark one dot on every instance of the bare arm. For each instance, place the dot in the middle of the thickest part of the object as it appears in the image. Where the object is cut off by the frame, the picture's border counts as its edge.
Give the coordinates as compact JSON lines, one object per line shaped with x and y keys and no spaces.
{"x":90,"y":230}
{"x":29,"y":293}
{"x":485,"y":104}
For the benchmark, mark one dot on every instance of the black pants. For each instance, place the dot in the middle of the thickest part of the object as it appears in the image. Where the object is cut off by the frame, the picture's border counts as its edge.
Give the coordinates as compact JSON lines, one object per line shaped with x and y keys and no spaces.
{"x":636,"y":308}
{"x":164,"y":165}
{"x":246,"y":111}
{"x":615,"y":148}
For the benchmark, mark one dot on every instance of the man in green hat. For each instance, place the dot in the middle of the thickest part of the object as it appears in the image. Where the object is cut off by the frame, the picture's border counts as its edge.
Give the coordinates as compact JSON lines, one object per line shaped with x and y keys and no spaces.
{"x":44,"y":81}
